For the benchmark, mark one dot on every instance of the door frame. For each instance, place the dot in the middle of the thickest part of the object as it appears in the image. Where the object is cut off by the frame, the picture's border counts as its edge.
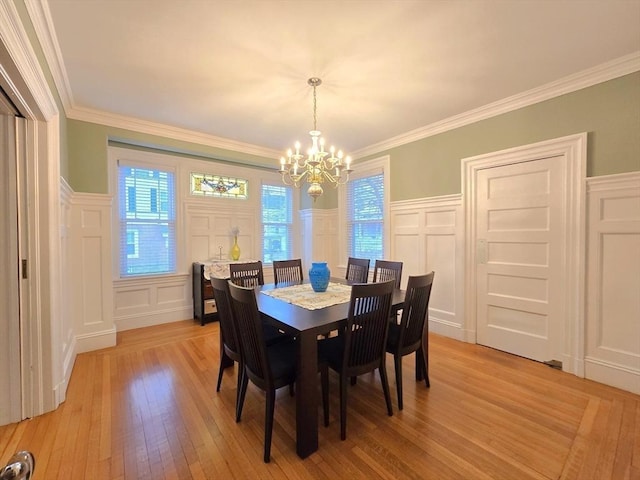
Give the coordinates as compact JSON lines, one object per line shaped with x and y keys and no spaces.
{"x":24,"y":81}
{"x":573,"y":151}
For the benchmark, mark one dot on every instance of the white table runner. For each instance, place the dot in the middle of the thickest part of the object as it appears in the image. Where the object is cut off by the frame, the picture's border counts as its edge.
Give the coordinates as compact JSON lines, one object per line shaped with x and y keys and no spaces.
{"x":303,"y":295}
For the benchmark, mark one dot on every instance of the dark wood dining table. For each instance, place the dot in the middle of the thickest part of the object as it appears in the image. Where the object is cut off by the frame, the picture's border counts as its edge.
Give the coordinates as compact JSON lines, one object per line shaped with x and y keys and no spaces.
{"x":306,"y":325}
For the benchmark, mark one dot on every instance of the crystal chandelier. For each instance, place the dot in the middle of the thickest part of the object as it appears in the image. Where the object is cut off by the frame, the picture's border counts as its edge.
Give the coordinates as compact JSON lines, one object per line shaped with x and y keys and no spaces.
{"x":319,"y":165}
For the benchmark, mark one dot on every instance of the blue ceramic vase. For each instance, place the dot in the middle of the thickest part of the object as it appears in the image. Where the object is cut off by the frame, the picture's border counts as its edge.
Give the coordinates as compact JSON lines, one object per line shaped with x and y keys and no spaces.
{"x":319,"y":275}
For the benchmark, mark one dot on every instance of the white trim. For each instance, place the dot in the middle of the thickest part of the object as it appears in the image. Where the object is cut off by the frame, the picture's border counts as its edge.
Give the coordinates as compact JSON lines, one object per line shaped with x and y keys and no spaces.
{"x":370,"y":167}
{"x":616,"y":181}
{"x":616,"y":375}
{"x":88,"y":342}
{"x":573,"y":148}
{"x":587,"y":78}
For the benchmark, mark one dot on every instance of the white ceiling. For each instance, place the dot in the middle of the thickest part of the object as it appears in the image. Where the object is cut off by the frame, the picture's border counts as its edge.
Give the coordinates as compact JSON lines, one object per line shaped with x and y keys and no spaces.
{"x":238,"y":69}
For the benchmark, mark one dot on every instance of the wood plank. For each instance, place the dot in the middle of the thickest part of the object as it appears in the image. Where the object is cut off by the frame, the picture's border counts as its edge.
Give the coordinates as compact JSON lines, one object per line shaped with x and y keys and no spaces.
{"x":147,"y":408}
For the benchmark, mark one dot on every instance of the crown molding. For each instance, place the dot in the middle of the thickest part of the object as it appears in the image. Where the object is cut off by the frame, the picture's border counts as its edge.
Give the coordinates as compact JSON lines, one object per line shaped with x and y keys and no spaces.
{"x":18,"y":46}
{"x":40,"y":15}
{"x":43,"y":25}
{"x":587,"y":78}
{"x":168,"y":131}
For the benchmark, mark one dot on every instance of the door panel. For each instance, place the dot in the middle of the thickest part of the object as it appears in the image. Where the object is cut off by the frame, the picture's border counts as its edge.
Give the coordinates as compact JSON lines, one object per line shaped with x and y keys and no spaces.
{"x":519,"y":227}
{"x":10,"y":372}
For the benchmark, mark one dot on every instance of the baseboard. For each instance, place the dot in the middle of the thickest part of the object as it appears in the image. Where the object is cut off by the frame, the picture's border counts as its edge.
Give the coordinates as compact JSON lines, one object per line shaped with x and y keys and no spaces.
{"x":446,"y":328}
{"x":612,"y":374}
{"x":130,"y":322}
{"x":95,"y":341}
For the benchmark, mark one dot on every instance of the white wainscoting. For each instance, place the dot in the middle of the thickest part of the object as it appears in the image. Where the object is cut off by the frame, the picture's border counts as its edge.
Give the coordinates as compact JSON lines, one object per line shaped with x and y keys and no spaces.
{"x":142,"y":302}
{"x":89,"y":271}
{"x":66,"y":326}
{"x":319,"y":239}
{"x":612,"y":353}
{"x":427,"y":234}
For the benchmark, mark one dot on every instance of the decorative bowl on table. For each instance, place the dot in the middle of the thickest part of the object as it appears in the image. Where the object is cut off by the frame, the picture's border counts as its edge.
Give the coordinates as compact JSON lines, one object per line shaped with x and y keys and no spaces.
{"x":319,"y":275}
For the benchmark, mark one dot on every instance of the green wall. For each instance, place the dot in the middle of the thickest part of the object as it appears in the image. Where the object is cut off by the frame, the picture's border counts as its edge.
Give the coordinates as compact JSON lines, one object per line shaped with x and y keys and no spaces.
{"x":609,"y":112}
{"x":88,"y":157}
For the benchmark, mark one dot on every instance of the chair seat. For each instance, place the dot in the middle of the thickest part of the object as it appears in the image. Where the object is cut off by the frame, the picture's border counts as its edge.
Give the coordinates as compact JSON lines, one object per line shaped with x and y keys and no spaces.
{"x":282,"y":359}
{"x":330,"y":350}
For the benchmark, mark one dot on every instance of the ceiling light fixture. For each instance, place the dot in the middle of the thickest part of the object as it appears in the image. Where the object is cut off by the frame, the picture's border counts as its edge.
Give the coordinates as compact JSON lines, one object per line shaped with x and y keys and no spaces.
{"x":319,"y":165}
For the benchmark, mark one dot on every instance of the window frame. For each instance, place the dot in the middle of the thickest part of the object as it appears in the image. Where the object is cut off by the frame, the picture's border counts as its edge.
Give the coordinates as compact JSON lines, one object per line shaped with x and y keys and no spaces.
{"x":291,"y":225}
{"x":368,"y":168}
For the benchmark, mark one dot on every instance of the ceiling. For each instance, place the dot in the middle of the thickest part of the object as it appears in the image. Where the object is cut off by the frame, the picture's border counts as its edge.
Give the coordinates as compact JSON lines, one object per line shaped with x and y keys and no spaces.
{"x":238,"y":69}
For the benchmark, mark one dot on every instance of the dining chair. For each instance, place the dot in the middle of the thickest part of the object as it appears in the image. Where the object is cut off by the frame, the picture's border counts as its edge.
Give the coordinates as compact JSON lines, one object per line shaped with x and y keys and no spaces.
{"x":248,"y":274}
{"x":229,"y":334}
{"x":412,"y":334}
{"x":358,"y":270}
{"x":287,"y":271}
{"x":360,"y":348}
{"x":384,"y":270}
{"x":268,"y":367}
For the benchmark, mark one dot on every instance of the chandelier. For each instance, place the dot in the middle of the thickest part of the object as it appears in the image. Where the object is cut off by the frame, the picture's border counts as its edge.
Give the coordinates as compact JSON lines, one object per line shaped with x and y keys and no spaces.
{"x":318,"y":165}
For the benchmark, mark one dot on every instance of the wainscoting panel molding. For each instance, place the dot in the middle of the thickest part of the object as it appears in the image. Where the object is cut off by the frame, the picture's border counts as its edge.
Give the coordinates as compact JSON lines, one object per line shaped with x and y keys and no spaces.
{"x":613,"y":281}
{"x":89,"y":271}
{"x":426,"y":234}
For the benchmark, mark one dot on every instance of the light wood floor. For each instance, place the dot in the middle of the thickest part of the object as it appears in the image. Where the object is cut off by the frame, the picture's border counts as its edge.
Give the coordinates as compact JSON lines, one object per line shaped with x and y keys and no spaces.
{"x":147,"y":409}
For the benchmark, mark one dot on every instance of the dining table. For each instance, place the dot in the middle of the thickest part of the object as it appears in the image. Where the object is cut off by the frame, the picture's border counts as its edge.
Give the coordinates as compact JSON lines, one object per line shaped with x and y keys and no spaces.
{"x":306,"y":324}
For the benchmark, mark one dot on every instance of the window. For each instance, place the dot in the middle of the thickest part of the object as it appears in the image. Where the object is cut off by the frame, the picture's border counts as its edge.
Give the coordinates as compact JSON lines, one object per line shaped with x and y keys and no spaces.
{"x":276,"y":223}
{"x":147,"y":221}
{"x":218,"y":186}
{"x":365,"y":217}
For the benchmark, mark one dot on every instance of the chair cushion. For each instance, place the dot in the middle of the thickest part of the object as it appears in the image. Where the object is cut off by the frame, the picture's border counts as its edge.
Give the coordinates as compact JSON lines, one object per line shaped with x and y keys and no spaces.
{"x":331,"y":350}
{"x":282,"y":358}
{"x":393,"y":337}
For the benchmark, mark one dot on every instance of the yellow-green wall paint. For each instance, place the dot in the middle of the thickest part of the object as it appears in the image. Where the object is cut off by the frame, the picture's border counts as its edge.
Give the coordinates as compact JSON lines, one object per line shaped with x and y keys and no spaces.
{"x":609,"y":112}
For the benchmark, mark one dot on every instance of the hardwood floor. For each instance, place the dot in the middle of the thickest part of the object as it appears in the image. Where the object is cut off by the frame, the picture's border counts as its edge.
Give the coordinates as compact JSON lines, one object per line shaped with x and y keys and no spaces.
{"x":147,"y":409}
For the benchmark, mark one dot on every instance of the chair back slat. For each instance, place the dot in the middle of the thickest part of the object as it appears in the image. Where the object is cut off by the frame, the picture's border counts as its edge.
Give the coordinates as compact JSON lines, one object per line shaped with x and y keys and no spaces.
{"x":250,"y":334}
{"x":385,"y":270}
{"x":415,"y":311}
{"x":247,"y":274}
{"x":225,"y":314}
{"x":287,"y":271}
{"x":358,"y":270}
{"x":367,"y":326}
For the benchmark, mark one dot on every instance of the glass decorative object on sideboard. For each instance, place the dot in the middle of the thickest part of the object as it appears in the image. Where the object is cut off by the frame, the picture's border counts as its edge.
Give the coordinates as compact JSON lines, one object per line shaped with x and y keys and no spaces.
{"x":235,"y":249}
{"x":319,"y":275}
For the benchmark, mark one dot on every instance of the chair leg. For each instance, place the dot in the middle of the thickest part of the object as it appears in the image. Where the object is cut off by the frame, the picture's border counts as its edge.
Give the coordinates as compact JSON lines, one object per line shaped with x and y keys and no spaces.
{"x":324,"y":382}
{"x":397,"y":361}
{"x":243,"y":392}
{"x":422,"y":360}
{"x":343,"y":407}
{"x":385,"y":387}
{"x":239,"y":389}
{"x":268,"y":423}
{"x":220,"y":370}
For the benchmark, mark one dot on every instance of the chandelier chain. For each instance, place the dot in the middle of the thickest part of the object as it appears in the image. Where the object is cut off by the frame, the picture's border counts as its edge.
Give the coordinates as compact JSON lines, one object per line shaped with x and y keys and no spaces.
{"x":315,"y":116}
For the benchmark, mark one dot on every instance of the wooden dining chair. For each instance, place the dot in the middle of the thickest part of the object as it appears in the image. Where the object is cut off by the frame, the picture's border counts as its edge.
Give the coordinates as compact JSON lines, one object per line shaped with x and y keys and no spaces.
{"x":230,"y":346}
{"x":358,"y":270}
{"x":412,"y":334}
{"x":287,"y":271}
{"x":247,"y":274}
{"x":268,"y":367}
{"x":384,"y":270}
{"x":360,"y":348}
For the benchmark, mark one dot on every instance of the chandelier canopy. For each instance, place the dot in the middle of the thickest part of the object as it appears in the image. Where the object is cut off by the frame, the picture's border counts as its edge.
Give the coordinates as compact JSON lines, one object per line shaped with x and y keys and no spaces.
{"x":318,"y":165}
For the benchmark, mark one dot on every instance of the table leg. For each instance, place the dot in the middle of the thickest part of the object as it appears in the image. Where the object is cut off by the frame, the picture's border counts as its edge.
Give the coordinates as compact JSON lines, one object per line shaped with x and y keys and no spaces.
{"x":306,"y":395}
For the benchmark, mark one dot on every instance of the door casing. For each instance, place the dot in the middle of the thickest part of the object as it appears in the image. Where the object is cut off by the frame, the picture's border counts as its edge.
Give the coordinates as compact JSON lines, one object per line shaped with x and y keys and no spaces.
{"x":572,"y":150}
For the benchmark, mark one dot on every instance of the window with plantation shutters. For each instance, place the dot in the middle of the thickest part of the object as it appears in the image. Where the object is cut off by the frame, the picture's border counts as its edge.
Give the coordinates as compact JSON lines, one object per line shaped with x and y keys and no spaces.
{"x":277,"y":216}
{"x":146,"y":213}
{"x":365,"y":217}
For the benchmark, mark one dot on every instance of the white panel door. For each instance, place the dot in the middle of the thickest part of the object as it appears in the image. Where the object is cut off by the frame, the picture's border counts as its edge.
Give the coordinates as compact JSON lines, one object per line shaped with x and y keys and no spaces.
{"x":10,"y":392}
{"x":519,"y":226}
